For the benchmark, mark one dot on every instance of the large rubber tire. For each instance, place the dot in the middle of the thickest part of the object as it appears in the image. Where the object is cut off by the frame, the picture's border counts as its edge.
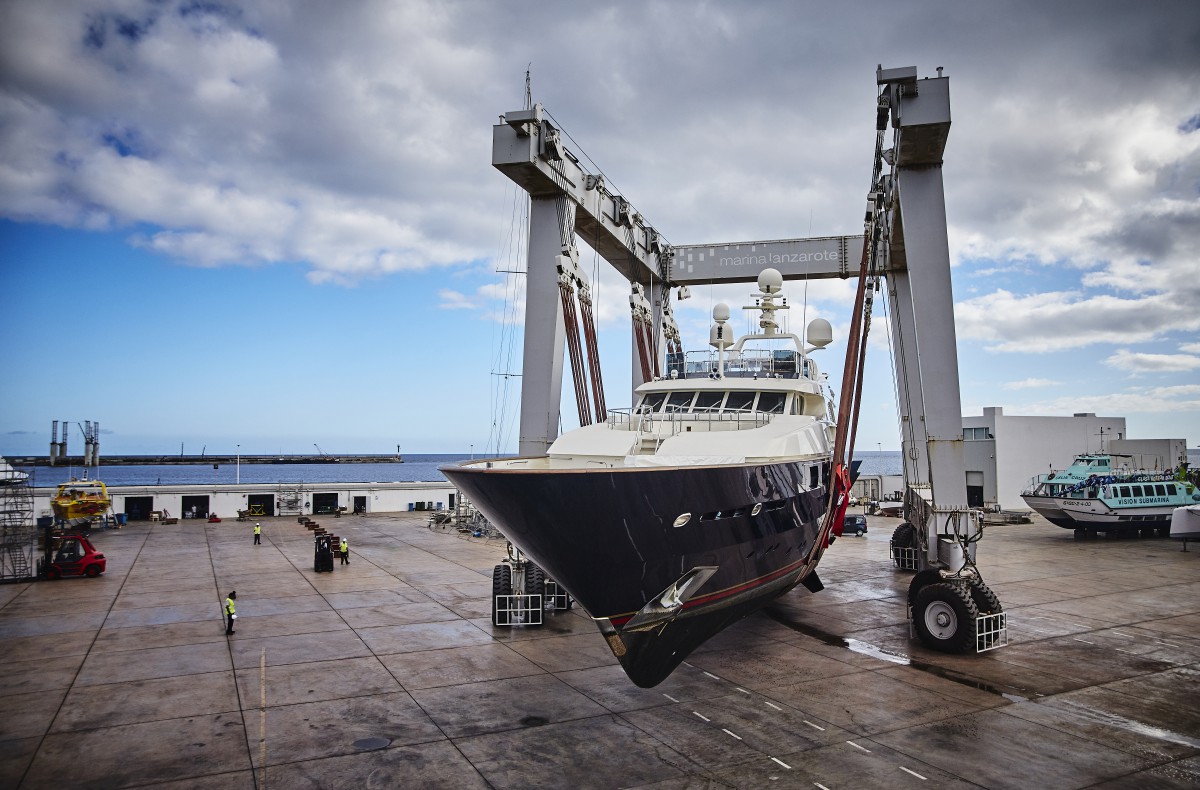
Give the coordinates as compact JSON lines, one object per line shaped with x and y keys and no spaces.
{"x":92,"y":571}
{"x":987,"y":603}
{"x":535,"y":580}
{"x":501,"y":585}
{"x":944,"y":616}
{"x":53,"y":573}
{"x":535,"y":584}
{"x":984,"y":599}
{"x":859,"y":532}
{"x":903,"y":537}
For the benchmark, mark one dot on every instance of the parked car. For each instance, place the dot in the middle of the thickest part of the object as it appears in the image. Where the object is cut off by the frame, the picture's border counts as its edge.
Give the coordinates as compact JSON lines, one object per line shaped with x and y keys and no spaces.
{"x":854,"y":525}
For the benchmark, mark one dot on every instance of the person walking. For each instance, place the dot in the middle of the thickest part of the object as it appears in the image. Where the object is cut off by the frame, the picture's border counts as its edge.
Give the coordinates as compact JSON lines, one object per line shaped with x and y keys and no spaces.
{"x":230,"y":612}
{"x":257,"y":534}
{"x":345,"y":549}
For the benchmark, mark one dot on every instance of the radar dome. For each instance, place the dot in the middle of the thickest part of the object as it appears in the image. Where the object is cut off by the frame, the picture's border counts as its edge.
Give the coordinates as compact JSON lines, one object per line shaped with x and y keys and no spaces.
{"x":770,"y":281}
{"x":721,"y":312}
{"x":820,"y":333}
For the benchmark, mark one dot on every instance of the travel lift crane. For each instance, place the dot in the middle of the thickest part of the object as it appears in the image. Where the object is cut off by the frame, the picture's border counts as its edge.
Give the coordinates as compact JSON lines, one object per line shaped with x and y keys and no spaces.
{"x":905,"y":244}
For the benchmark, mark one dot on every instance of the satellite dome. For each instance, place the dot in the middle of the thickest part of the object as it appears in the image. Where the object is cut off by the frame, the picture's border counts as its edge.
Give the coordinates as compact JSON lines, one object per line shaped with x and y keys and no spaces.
{"x":820,"y":333}
{"x":770,"y":281}
{"x":721,"y":312}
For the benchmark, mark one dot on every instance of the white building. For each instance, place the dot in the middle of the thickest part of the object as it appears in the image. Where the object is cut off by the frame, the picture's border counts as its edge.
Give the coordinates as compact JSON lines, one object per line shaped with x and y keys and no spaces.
{"x":268,"y":499}
{"x":1003,"y":453}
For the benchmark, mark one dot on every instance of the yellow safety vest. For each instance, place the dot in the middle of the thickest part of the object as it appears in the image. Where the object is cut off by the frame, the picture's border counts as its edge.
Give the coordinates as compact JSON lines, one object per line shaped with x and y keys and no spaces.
{"x":229,"y":608}
{"x":257,"y":529}
{"x":345,"y":546}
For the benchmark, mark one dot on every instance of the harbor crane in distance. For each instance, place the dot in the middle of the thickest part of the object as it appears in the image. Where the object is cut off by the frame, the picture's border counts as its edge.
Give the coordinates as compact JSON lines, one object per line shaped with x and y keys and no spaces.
{"x":904,"y":245}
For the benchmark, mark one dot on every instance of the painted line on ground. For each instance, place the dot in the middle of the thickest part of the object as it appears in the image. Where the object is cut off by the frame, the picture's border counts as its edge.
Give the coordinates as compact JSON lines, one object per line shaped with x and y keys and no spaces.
{"x":914,"y":773}
{"x":1119,"y":633}
{"x":741,"y":690}
{"x":818,"y":784}
{"x":781,"y":762}
{"x":773,"y":705}
{"x":814,"y":726}
{"x":734,"y":734}
{"x":668,"y":696}
{"x":701,"y":716}
{"x":1077,"y":639}
{"x":262,"y":717}
{"x":711,"y":675}
{"x":856,"y":746}
{"x":1123,"y":650}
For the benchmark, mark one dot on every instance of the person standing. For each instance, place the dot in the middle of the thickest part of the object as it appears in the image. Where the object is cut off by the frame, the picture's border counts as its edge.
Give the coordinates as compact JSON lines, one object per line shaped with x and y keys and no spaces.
{"x":345,"y":549}
{"x":257,"y":534}
{"x":230,"y":612}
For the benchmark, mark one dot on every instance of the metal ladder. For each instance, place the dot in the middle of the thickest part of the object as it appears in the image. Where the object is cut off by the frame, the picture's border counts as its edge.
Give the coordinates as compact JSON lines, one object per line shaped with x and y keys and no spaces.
{"x":18,"y":561}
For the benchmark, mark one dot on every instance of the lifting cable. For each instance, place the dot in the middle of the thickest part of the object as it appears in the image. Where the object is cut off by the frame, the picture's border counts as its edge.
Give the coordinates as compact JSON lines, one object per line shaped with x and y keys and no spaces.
{"x":593,"y":351}
{"x":566,"y":292}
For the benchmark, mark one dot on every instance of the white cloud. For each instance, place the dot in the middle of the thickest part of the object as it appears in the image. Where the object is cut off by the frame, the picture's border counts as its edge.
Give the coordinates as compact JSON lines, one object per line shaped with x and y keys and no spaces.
{"x":1031,"y":383}
{"x":1190,"y":348}
{"x":454,"y":300}
{"x":1181,"y":399}
{"x":1137,"y":362}
{"x":1058,"y":320}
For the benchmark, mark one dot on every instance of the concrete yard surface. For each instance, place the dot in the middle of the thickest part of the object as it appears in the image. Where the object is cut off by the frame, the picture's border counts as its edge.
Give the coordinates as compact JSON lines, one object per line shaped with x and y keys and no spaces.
{"x":387,"y":672}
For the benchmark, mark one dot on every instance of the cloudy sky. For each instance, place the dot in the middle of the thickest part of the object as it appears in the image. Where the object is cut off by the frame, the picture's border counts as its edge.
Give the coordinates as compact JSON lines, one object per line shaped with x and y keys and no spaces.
{"x":276,"y":224}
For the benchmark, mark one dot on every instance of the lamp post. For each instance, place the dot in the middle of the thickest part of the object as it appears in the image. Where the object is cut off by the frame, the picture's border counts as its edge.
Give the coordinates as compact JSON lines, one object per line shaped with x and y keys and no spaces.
{"x":239,"y":464}
{"x":472,"y":452}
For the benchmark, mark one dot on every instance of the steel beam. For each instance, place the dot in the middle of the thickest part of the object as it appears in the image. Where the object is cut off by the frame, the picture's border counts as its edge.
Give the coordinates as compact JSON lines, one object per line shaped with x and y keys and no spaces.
{"x":545,"y":333}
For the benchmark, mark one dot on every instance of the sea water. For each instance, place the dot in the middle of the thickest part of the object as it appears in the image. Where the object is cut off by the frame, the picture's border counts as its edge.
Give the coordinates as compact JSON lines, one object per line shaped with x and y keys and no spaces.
{"x":415,"y":469}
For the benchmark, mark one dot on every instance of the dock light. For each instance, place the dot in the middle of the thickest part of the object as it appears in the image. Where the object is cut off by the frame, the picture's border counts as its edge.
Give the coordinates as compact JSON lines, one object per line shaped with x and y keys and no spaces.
{"x":682,"y":519}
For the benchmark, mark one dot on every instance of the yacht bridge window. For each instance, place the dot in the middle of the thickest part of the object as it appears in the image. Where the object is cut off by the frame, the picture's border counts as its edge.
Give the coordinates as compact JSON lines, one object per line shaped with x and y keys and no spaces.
{"x":771,"y":402}
{"x":680,"y":401}
{"x":712,"y":401}
{"x":739,"y":401}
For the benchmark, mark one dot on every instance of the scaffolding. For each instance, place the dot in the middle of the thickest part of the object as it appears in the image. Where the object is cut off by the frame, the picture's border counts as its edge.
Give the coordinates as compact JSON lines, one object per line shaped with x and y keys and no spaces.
{"x":463,"y":518}
{"x":18,"y":532}
{"x":289,"y":499}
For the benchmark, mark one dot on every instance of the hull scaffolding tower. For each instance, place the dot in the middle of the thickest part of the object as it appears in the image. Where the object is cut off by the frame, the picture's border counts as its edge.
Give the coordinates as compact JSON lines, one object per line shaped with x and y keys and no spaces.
{"x":18,"y":532}
{"x":289,"y":499}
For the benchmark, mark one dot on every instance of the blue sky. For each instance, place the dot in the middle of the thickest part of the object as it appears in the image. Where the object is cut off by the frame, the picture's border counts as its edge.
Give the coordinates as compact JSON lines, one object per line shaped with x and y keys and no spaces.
{"x":278,"y":226}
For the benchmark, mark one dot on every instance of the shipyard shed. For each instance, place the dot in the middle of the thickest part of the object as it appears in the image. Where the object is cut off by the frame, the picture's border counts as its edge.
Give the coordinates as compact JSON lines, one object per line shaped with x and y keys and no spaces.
{"x":155,"y":502}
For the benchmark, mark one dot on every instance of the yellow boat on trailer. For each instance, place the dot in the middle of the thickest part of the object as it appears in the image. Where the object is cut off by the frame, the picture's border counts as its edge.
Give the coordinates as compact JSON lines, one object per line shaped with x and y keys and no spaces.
{"x":77,"y":499}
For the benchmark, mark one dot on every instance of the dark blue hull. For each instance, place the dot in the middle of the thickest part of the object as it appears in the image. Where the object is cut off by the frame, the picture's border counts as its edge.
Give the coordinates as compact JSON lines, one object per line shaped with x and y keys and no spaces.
{"x":608,"y":537}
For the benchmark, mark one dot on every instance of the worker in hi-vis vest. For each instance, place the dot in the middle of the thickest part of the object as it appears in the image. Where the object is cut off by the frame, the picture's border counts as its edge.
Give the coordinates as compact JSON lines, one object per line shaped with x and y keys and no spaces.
{"x":345,"y":551}
{"x":230,"y":612}
{"x":257,"y":534}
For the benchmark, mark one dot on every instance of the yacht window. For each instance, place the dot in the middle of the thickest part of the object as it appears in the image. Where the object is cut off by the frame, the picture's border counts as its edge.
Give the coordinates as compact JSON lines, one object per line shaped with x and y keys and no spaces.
{"x":771,"y":402}
{"x":679,"y":401}
{"x":1125,"y":491}
{"x":740,"y":401}
{"x":708,"y":400}
{"x":1170,"y":489}
{"x":814,"y":477}
{"x":1160,"y":491}
{"x":651,"y":401}
{"x":1137,"y":490}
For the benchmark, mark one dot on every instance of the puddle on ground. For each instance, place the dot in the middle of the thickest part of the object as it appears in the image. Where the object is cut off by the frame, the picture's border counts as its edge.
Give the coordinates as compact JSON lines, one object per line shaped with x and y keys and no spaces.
{"x":367,"y":744}
{"x":874,"y":651}
{"x":1092,"y":715}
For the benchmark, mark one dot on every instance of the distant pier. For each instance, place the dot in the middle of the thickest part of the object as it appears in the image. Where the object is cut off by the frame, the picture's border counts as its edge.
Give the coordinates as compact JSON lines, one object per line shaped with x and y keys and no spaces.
{"x":193,"y":460}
